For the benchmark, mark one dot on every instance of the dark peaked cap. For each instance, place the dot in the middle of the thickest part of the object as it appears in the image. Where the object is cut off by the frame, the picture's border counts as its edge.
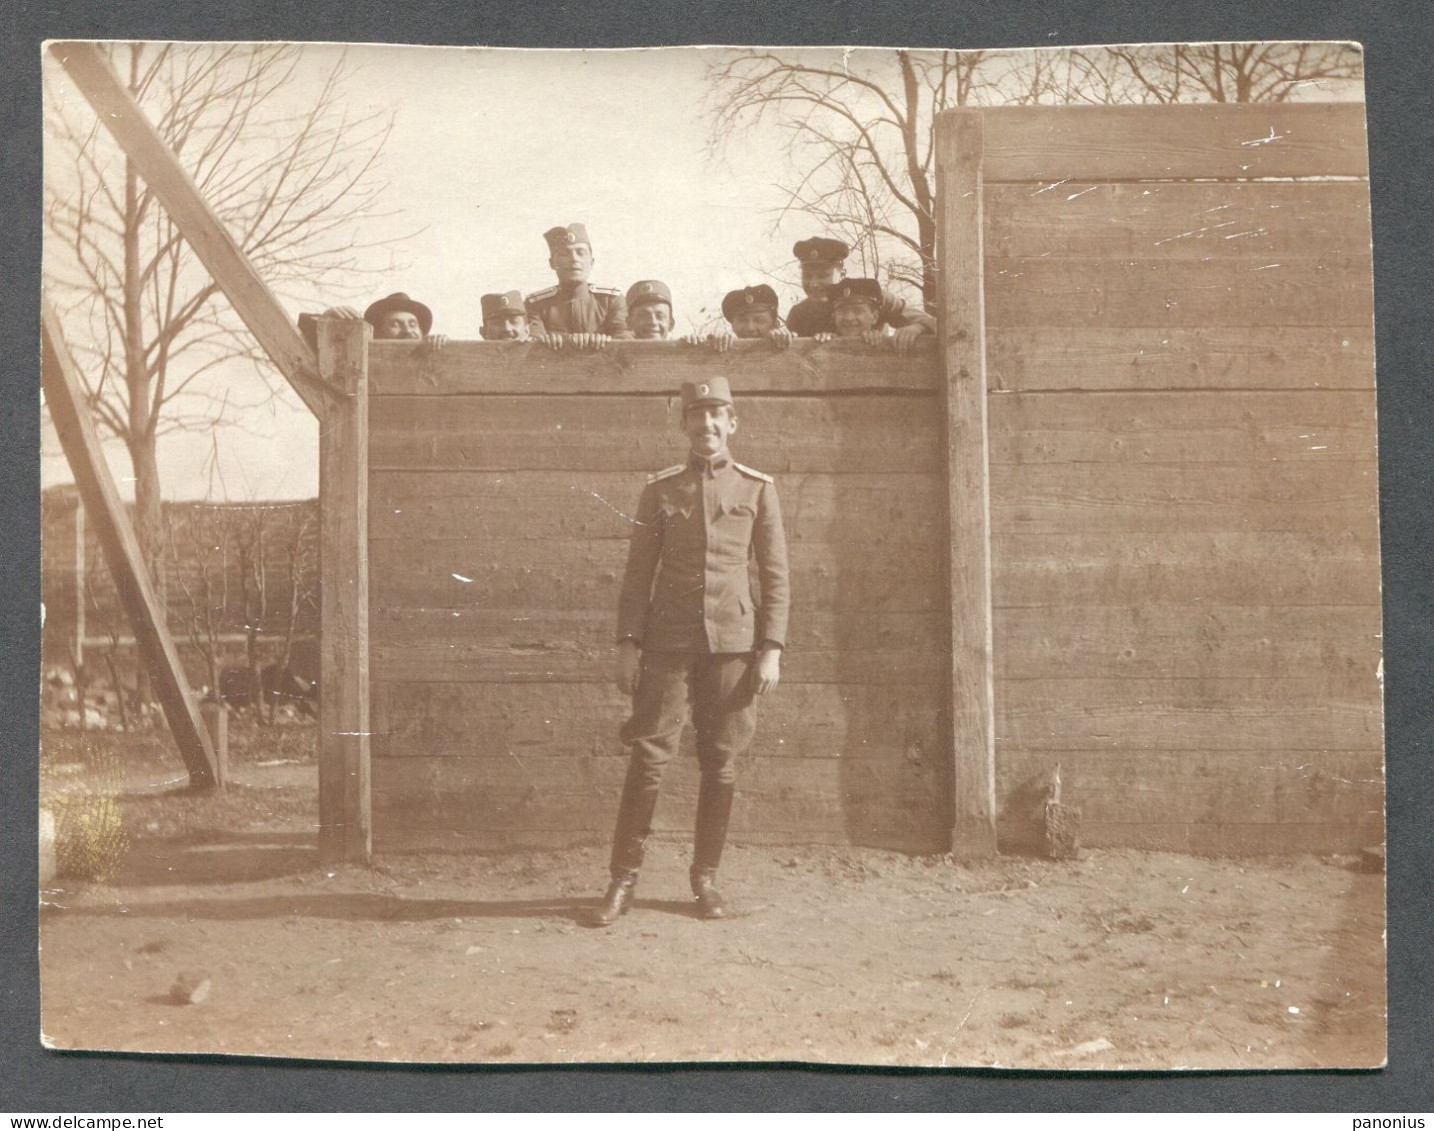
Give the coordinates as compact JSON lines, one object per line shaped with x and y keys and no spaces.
{"x":856,"y":290}
{"x":399,"y":301}
{"x":565,"y":237}
{"x":760,"y":297}
{"x":820,"y":249}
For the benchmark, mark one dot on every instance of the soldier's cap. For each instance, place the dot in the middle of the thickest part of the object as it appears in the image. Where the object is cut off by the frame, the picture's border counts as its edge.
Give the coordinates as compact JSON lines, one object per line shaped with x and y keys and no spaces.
{"x":398,"y":302}
{"x":821,"y":249}
{"x":500,"y":306}
{"x":559,"y":238}
{"x":712,"y":391}
{"x":648,"y":290}
{"x":855,"y":290}
{"x":760,"y":297}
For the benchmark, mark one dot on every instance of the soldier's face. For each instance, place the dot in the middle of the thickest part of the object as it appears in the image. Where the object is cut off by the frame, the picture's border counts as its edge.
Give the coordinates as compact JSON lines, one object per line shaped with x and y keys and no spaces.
{"x":708,"y":427}
{"x":651,"y":320}
{"x":754,"y":323}
{"x":818,"y":276}
{"x":401,"y":325}
{"x":572,"y":263}
{"x":852,"y":319}
{"x":506,"y":328}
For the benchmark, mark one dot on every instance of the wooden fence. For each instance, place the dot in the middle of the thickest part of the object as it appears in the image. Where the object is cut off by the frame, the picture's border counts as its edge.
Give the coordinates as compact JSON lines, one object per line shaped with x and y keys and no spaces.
{"x":501,"y":481}
{"x":1166,"y":313}
{"x":1183,"y":482}
{"x":1122,"y":518}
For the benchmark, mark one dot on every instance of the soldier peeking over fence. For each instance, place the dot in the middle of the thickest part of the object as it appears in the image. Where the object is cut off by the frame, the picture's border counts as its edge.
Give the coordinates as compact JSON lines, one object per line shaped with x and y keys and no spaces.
{"x":751,"y":313}
{"x":505,"y":318}
{"x":394,"y":318}
{"x":692,"y":635}
{"x":649,"y":310}
{"x":575,"y":312}
{"x":823,"y":264}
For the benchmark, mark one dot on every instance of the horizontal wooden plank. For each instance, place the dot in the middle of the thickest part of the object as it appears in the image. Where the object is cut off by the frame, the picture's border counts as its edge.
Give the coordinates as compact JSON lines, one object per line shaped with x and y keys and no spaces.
{"x":642,"y":434}
{"x":404,"y":506}
{"x":465,"y":573}
{"x":1334,"y":567}
{"x":781,"y":797}
{"x":1048,"y":144}
{"x":894,"y":833}
{"x":481,"y":645}
{"x":652,"y":368}
{"x":1180,"y":357}
{"x":1195,"y":786}
{"x":1174,"y":714}
{"x":530,"y":719}
{"x":1181,"y":220}
{"x":1180,"y":427}
{"x":1339,"y":645}
{"x":1047,"y":292}
{"x":1124,"y":498}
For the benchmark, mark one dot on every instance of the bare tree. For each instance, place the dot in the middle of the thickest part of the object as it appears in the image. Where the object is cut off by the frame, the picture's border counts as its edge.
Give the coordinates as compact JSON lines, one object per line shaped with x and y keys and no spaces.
{"x":860,"y":136}
{"x":860,"y":129}
{"x":200,"y":550}
{"x":1223,"y":72}
{"x":294,"y":184}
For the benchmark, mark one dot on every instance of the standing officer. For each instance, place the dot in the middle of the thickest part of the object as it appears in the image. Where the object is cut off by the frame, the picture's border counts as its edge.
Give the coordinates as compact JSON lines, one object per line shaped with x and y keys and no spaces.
{"x":505,"y":318}
{"x":649,"y":310}
{"x":690,"y":634}
{"x":823,"y":263}
{"x":575,"y":312}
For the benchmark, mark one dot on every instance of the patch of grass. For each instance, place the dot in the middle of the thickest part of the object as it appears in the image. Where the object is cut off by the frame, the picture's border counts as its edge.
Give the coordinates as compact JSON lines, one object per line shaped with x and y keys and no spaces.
{"x":499,"y":1050}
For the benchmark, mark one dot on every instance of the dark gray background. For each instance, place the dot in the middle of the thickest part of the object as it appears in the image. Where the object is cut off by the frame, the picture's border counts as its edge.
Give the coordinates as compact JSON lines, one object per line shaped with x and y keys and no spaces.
{"x":1397,"y":41}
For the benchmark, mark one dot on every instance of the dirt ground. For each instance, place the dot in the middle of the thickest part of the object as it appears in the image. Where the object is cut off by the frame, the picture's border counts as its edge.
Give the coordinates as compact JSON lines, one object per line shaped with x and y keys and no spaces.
{"x":1116,"y":960}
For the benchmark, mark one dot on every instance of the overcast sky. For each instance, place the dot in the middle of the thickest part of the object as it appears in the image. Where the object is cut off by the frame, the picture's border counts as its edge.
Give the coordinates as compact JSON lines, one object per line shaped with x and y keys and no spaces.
{"x":489,"y":149}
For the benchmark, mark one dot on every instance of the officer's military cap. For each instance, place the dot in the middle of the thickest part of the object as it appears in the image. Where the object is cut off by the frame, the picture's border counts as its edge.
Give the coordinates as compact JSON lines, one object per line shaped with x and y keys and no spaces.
{"x":559,"y":238}
{"x":500,"y":306}
{"x":397,"y":302}
{"x":821,"y":249}
{"x":648,"y":290}
{"x":712,"y":391}
{"x":856,"y":290}
{"x":760,"y":297}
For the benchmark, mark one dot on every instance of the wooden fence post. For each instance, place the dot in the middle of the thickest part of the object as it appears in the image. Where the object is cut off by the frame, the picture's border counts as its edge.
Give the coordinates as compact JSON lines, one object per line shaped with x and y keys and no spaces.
{"x":963,"y":356}
{"x":65,"y":398}
{"x":345,"y":827}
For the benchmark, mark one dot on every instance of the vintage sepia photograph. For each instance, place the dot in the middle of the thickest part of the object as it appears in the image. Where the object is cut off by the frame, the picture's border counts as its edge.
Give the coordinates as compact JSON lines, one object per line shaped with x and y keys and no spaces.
{"x":831,"y":555}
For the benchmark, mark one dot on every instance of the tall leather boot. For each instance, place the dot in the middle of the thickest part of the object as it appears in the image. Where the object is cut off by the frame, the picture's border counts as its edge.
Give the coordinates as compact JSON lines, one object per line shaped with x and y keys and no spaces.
{"x":634,"y":822}
{"x":714,"y":810}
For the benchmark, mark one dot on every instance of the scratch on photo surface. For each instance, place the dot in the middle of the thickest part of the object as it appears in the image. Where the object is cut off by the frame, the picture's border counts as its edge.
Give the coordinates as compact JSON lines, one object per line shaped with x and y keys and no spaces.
{"x":604,"y":502}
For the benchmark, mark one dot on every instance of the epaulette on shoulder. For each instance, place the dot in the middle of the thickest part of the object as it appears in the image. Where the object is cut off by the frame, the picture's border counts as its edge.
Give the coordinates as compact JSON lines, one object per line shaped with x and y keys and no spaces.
{"x":546,"y":292}
{"x":753,"y":472}
{"x":605,"y":291}
{"x":666,"y":472}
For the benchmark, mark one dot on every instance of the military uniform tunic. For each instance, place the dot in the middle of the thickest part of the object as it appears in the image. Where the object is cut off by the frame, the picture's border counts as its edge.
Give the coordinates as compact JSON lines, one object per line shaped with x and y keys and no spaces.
{"x":687,"y":586}
{"x":578,"y":308}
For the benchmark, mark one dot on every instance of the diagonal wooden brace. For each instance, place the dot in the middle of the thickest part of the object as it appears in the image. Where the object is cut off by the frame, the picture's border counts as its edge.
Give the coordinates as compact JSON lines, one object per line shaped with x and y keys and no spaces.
{"x":65,"y":398}
{"x":222,"y":257}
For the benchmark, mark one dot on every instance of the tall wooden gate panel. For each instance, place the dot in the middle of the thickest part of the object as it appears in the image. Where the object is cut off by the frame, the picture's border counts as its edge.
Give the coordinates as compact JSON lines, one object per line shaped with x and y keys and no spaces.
{"x":1184,"y":512}
{"x":502,"y":478}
